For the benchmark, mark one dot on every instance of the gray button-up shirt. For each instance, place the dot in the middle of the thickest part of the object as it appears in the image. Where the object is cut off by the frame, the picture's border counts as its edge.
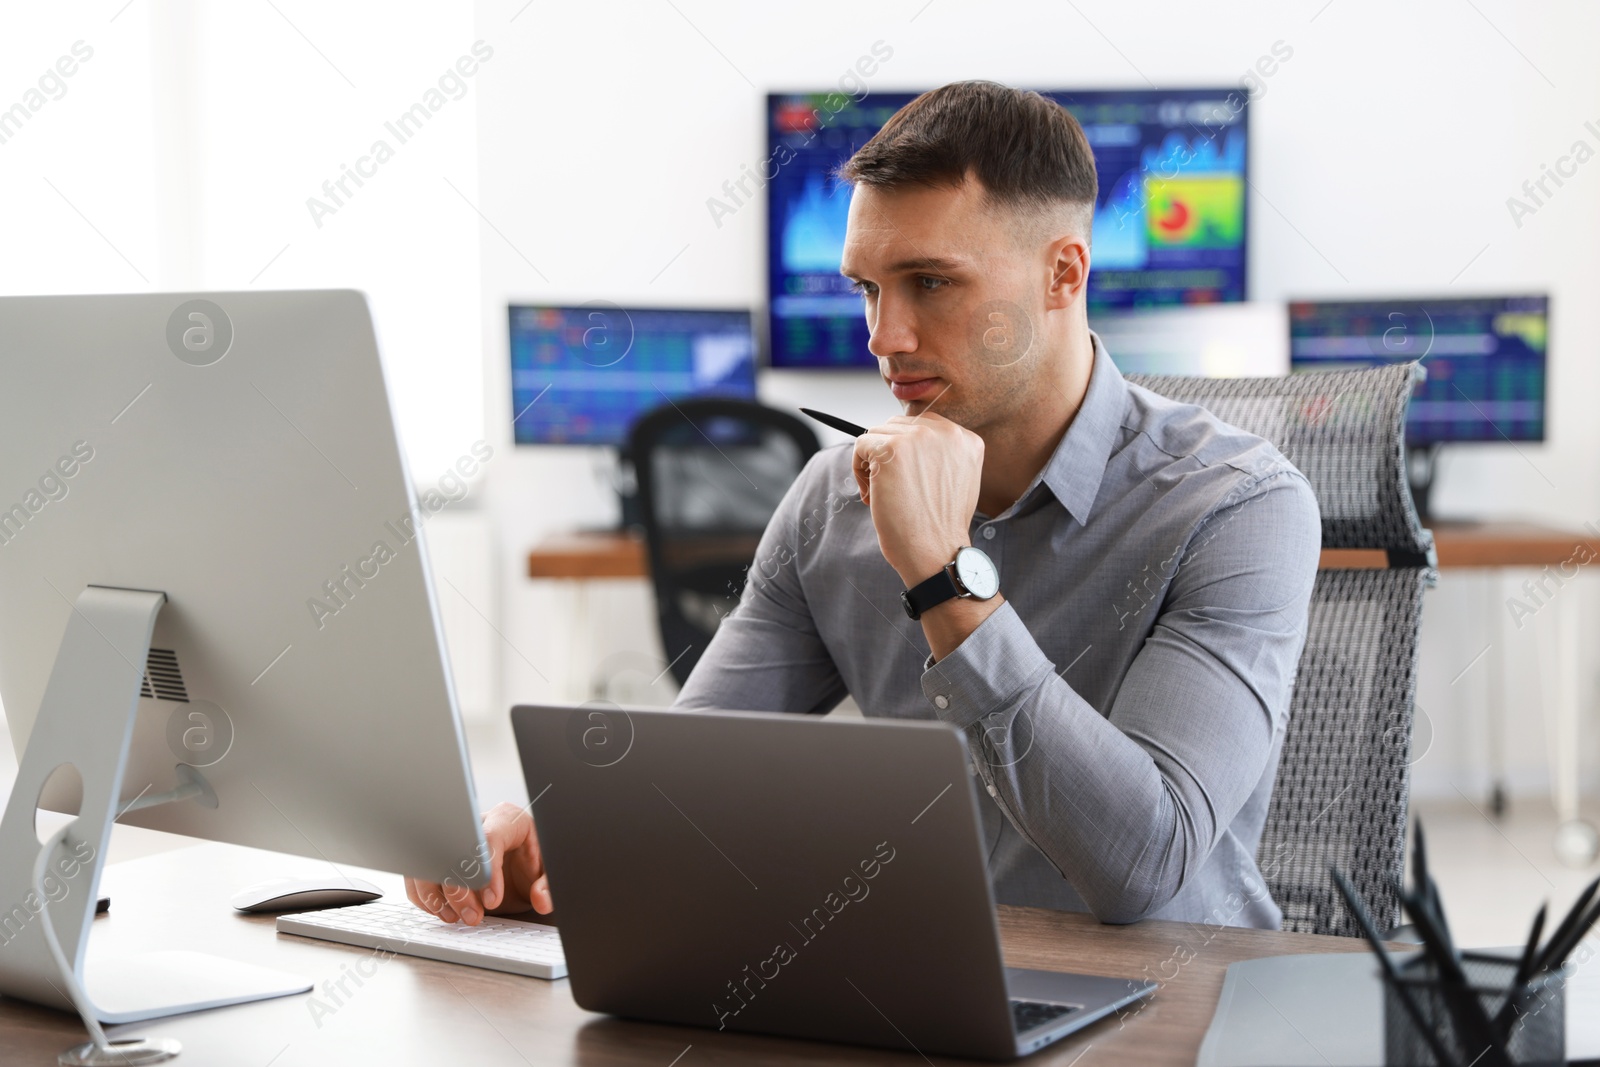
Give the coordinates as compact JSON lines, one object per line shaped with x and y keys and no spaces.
{"x":1125,"y":707}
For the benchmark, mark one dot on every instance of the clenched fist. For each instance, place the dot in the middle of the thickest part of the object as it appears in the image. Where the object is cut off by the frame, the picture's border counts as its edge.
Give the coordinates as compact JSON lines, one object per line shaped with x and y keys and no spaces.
{"x":920,"y":476}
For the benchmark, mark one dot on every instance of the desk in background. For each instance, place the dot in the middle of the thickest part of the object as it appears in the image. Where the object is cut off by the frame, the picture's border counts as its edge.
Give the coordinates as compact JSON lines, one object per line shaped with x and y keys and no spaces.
{"x":587,"y":555}
{"x":582,"y":558}
{"x":616,"y":554}
{"x":411,"y":1011}
{"x":1494,"y":546}
{"x":1497,"y":547}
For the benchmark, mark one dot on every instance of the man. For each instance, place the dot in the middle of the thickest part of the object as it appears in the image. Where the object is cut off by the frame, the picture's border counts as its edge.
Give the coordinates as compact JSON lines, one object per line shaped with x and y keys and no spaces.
{"x":1124,"y":693}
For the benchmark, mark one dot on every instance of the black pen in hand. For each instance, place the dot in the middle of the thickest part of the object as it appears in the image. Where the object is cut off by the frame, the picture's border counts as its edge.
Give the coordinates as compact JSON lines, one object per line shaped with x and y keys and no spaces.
{"x":834,"y":422}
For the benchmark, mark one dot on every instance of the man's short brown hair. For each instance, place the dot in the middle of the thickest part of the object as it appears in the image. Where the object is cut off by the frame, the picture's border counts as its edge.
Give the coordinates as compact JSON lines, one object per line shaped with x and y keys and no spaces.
{"x":1026,"y":150}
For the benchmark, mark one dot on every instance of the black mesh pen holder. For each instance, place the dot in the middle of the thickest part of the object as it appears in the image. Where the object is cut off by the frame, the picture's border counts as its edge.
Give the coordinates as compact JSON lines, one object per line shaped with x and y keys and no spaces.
{"x":1537,"y":1023}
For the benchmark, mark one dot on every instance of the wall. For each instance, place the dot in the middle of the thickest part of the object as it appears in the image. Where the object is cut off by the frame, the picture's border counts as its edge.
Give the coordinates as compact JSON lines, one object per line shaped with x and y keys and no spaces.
{"x":577,"y":161}
{"x":182,"y":149}
{"x":1384,"y":150}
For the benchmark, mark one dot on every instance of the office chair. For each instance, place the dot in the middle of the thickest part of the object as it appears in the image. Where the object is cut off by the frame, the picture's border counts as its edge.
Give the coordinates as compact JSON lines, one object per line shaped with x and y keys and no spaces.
{"x":1344,"y":774}
{"x":711,"y":472}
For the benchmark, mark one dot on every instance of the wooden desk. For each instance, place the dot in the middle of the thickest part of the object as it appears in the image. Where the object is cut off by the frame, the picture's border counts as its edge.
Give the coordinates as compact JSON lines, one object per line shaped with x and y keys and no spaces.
{"x":579,"y":558}
{"x":1510,"y":544}
{"x":412,"y":1011}
{"x":1486,"y":544}
{"x":1564,"y":553}
{"x":1495,"y":546}
{"x":612,"y":554}
{"x":589,"y":554}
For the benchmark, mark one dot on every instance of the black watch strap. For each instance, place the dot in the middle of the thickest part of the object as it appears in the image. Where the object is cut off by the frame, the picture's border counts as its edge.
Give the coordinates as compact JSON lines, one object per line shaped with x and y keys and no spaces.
{"x":929,"y":594}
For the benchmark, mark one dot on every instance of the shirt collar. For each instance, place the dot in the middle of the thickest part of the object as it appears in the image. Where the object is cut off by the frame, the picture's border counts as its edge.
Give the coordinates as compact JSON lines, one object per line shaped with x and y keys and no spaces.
{"x":1079,"y":461}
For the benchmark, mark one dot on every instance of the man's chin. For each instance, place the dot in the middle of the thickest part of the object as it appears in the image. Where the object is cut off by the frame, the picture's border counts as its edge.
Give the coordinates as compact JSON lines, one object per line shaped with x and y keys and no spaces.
{"x":917,"y":408}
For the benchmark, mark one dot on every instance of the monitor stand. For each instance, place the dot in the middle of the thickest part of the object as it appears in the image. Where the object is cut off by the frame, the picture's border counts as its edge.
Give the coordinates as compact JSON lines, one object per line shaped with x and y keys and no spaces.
{"x":614,"y":472}
{"x":1421,"y":461}
{"x":85,"y":721}
{"x":626,"y":483}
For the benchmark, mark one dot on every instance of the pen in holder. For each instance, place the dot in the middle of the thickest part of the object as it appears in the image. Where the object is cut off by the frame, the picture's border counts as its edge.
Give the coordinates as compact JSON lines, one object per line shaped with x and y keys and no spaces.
{"x":1536,"y":1031}
{"x":1451,"y":1008}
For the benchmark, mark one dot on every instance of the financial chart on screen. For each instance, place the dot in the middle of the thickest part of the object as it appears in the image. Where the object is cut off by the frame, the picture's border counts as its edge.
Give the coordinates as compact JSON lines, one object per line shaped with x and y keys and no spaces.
{"x":583,"y":375}
{"x":1485,"y":358}
{"x":1169,"y":219}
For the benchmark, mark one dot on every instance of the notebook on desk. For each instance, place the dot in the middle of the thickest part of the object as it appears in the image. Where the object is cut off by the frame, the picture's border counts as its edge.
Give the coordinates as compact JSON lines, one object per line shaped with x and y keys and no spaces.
{"x":1327,"y":1011}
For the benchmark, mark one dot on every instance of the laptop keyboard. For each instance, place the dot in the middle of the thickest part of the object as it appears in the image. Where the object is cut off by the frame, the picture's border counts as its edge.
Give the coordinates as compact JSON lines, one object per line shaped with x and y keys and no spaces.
{"x":1028,"y":1014}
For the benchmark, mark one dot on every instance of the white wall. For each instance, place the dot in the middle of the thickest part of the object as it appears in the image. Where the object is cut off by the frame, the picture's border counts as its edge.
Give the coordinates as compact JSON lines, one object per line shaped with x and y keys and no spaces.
{"x":181,"y":154}
{"x":1383,"y":153}
{"x":184,"y":152}
{"x":81,"y":162}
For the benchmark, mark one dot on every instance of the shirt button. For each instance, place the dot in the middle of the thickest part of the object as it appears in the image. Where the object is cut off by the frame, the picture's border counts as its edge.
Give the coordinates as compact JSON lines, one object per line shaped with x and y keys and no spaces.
{"x":988,"y":533}
{"x":941,"y":702}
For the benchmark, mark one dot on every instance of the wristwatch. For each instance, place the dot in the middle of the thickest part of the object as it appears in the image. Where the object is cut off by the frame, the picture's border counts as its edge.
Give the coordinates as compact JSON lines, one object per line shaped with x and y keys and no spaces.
{"x":971,"y":575}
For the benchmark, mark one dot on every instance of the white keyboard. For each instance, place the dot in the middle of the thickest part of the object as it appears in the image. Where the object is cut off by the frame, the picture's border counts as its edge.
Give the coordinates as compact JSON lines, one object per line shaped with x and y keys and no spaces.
{"x":495,"y":944}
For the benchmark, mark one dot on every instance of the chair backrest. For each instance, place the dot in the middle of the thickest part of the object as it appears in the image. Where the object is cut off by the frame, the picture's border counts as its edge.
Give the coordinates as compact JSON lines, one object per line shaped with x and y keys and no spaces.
{"x":1344,"y":774}
{"x":711,"y":472}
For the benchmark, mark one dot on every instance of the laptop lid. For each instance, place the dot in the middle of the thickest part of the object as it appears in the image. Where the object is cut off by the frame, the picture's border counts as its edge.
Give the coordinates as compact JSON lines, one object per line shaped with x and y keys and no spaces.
{"x":777,"y":874}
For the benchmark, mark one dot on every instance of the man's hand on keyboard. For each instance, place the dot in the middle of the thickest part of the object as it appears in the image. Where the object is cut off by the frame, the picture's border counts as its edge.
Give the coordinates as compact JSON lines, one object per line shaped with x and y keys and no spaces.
{"x":517,"y":879}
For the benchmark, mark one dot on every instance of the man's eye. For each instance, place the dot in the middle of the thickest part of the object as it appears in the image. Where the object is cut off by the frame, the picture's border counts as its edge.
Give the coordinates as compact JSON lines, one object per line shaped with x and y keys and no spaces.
{"x":862,"y":288}
{"x":930,"y":283}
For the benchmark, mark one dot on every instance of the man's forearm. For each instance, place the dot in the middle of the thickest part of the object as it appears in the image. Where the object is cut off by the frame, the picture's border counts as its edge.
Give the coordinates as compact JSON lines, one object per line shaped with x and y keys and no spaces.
{"x":947,"y":625}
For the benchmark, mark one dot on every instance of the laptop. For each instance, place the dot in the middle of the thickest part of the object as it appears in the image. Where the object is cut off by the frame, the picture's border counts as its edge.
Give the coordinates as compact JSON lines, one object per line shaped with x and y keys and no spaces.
{"x":788,"y":875}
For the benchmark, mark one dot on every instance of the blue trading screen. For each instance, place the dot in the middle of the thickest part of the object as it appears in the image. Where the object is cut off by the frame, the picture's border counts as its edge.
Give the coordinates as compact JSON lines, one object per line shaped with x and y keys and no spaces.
{"x":582,"y":375}
{"x":1169,"y":221}
{"x":1485,"y":358}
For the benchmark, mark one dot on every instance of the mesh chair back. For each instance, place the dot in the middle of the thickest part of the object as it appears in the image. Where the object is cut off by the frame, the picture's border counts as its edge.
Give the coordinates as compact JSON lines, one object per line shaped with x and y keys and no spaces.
{"x":1344,"y":773}
{"x":711,"y":473}
{"x":1342,"y":429}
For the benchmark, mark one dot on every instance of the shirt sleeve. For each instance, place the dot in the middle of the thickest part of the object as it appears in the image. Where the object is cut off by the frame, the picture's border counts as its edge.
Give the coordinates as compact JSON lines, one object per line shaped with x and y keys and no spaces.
{"x":1128,"y":804}
{"x":766,"y":654}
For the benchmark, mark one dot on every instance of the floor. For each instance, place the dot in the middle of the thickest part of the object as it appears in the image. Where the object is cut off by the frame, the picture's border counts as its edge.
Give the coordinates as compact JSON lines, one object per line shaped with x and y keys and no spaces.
{"x":1493,"y":873}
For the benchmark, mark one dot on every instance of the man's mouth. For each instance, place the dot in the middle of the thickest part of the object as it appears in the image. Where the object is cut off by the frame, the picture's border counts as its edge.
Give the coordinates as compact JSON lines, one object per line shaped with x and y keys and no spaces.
{"x":908,"y":388}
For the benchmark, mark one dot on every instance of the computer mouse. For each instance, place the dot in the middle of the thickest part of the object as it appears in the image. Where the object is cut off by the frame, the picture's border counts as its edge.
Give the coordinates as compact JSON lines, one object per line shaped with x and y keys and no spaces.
{"x":305,"y":894}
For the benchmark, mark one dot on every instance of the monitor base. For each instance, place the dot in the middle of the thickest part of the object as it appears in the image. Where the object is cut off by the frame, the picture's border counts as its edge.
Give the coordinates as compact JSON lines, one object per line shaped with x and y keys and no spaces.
{"x":137,"y":1051}
{"x":154,"y":985}
{"x":85,"y":721}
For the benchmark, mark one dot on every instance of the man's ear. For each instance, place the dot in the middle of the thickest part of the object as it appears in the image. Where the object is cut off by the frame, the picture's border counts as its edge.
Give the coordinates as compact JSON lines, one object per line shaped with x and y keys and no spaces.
{"x":1069,"y":270}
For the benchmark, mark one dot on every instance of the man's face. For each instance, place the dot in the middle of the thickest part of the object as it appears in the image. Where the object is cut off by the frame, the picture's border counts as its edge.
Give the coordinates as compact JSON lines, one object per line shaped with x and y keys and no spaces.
{"x":954,"y":297}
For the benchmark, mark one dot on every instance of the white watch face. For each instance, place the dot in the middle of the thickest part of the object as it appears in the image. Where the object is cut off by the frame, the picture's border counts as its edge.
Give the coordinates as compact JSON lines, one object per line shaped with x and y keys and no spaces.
{"x":977,"y":573}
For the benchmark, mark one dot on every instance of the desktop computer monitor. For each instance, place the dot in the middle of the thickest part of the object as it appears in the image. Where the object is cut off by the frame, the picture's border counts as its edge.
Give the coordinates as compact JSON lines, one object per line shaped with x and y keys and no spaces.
{"x":583,"y":375}
{"x":214,"y":586}
{"x":1169,"y":221}
{"x":1484,"y":356}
